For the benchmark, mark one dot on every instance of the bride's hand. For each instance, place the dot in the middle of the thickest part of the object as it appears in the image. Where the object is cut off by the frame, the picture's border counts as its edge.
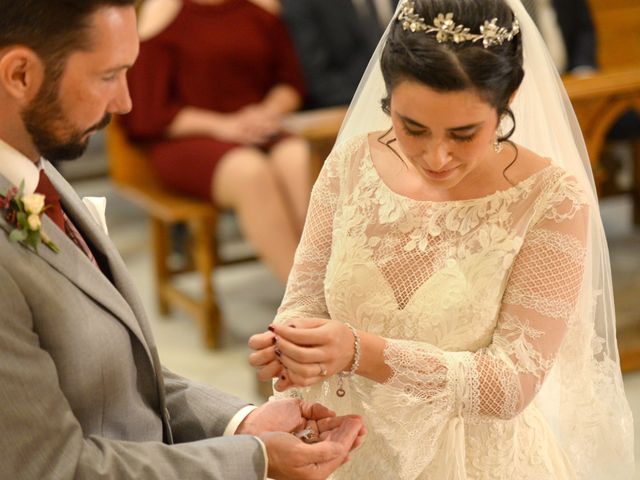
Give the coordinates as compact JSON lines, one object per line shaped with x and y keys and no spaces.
{"x":312,"y":349}
{"x":264,"y":358}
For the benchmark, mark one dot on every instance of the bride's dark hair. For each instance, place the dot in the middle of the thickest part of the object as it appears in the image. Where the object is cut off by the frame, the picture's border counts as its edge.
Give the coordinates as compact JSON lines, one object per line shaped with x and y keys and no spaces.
{"x":494,"y":73}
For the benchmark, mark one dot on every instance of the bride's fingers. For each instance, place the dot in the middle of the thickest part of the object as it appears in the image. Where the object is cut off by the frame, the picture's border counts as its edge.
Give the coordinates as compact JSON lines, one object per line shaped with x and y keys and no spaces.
{"x":263,"y":357}
{"x":269,"y":371}
{"x":305,"y":335}
{"x":304,"y":323}
{"x":261,"y":340}
{"x":299,"y":371}
{"x":283,"y":383}
{"x":299,"y":353}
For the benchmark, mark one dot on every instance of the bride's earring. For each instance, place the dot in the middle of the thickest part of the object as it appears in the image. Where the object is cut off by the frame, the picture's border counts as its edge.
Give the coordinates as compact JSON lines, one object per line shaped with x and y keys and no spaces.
{"x":497,"y":144}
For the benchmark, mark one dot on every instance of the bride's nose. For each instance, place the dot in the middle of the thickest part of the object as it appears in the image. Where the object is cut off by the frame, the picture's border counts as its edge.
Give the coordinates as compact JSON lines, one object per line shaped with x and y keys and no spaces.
{"x":436,"y":155}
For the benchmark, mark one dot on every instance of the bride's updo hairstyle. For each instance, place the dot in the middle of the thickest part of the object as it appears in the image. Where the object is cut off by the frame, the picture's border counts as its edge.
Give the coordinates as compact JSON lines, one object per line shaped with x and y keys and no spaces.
{"x":493,"y":73}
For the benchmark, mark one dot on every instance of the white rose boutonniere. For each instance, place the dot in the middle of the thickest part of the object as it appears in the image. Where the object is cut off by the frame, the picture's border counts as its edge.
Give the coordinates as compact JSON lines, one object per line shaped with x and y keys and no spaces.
{"x":33,"y":203}
{"x":24,"y":212}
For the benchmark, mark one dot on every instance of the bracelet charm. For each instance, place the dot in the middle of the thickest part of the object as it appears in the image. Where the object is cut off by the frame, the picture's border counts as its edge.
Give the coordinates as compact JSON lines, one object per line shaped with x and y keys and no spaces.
{"x":340,"y":392}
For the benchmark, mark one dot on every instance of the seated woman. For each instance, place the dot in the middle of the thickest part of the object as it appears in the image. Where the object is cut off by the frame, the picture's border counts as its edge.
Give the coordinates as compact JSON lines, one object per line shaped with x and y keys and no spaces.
{"x":210,"y":87}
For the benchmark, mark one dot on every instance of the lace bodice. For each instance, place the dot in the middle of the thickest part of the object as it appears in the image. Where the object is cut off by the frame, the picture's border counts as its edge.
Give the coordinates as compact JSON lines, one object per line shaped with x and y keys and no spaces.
{"x":475,"y":299}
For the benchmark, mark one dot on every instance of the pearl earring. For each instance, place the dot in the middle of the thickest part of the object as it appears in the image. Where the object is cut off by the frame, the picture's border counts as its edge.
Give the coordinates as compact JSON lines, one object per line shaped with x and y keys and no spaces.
{"x":497,"y":145}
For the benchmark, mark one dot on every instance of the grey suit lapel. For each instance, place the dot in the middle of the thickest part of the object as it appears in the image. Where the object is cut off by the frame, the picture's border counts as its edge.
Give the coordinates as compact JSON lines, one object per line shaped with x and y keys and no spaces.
{"x":74,"y":264}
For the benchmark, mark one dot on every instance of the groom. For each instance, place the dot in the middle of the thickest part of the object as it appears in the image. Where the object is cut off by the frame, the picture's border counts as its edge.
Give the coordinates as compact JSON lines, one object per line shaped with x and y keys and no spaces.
{"x":83,"y":393}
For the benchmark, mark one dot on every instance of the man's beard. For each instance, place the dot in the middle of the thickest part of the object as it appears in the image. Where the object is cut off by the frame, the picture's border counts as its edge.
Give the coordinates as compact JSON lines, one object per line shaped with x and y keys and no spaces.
{"x":44,"y":112}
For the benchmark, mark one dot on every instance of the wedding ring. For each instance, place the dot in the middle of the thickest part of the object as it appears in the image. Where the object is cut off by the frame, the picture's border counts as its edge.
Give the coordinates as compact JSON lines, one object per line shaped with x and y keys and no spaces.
{"x":323,"y":371}
{"x":308,"y":435}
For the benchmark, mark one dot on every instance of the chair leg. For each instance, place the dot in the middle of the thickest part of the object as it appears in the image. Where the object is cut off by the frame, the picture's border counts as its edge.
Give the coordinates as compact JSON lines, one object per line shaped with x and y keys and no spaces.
{"x":204,"y":259}
{"x":160,"y":239}
{"x":636,"y":183}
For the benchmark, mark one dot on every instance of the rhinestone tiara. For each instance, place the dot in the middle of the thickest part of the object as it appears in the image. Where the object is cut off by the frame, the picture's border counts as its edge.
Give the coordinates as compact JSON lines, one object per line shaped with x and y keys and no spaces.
{"x":446,"y":29}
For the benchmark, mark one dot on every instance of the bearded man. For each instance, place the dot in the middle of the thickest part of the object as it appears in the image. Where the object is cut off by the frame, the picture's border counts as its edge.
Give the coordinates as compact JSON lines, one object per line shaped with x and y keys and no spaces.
{"x":84,"y":395}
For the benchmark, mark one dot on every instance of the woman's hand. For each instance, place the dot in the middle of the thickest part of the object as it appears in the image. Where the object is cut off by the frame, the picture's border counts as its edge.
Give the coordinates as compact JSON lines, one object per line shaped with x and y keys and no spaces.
{"x":311,"y":349}
{"x":242,"y":128}
{"x":265,"y":359}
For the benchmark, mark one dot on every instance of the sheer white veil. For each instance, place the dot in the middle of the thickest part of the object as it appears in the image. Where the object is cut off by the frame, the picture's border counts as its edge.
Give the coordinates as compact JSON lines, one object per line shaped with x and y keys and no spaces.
{"x":583,"y":398}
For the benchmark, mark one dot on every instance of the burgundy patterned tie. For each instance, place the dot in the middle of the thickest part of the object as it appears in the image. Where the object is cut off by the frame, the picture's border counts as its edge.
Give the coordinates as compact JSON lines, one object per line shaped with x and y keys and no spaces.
{"x":55,"y":213}
{"x":51,"y":199}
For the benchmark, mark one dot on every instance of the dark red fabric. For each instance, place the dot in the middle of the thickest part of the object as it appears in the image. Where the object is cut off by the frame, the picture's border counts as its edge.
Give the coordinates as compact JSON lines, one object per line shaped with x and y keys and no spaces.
{"x":219,"y":57}
{"x":51,"y":200}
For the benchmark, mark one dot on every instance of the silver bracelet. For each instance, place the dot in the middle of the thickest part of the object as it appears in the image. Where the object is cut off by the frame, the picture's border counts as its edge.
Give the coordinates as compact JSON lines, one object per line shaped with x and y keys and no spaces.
{"x":354,"y":366}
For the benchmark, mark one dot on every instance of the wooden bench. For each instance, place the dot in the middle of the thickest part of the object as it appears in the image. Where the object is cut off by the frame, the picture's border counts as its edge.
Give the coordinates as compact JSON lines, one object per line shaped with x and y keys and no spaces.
{"x":136,"y":181}
{"x":320,"y":128}
{"x":600,"y":99}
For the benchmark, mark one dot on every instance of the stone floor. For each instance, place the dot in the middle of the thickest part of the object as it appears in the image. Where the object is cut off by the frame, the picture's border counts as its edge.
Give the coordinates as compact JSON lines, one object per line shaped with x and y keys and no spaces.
{"x":250,"y":294}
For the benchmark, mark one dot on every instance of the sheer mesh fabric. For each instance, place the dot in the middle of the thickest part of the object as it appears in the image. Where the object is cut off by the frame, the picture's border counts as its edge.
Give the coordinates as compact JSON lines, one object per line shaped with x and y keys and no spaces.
{"x":474,"y":298}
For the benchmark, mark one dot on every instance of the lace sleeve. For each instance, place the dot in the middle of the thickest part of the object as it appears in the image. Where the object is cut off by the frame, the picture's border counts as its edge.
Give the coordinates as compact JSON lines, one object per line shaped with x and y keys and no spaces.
{"x":304,"y":295}
{"x":435,"y":386}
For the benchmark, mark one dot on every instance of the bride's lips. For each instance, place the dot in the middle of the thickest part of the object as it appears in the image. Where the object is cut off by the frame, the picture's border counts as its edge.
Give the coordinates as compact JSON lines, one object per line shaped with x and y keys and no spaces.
{"x":440,"y":174}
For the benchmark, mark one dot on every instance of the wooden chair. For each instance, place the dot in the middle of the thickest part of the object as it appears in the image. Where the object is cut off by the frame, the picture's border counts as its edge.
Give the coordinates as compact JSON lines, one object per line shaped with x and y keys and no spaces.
{"x":320,"y":128}
{"x":136,"y":181}
{"x":600,"y":99}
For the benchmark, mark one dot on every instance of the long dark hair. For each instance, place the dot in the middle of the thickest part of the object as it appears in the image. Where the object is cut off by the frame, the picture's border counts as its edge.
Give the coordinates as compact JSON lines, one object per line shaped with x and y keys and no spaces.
{"x":494,"y":73}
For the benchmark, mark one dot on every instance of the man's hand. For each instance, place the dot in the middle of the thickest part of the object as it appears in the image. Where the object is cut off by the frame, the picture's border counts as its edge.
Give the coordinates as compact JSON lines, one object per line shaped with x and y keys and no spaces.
{"x":286,"y":415}
{"x":291,"y":458}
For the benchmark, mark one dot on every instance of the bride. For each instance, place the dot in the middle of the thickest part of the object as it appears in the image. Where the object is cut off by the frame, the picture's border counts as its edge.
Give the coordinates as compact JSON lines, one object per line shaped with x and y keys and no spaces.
{"x":452,"y":284}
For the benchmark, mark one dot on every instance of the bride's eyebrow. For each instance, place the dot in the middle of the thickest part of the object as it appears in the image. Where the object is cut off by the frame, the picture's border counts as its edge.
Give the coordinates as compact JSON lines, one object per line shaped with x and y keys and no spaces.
{"x":414,"y":123}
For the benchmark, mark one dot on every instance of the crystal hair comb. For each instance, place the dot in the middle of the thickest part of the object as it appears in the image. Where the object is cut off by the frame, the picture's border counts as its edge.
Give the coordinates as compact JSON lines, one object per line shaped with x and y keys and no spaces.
{"x":446,"y":29}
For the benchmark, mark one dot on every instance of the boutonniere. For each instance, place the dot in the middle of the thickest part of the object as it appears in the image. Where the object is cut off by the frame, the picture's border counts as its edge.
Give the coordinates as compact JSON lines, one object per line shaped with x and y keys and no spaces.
{"x":24,"y":212}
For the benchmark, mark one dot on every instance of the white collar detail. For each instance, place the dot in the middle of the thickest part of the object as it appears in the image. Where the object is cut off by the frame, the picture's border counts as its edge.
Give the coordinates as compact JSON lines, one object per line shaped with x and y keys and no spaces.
{"x":16,"y":168}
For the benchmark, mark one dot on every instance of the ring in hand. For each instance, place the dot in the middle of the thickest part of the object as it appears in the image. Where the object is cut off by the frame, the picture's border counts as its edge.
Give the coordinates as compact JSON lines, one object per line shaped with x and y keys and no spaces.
{"x":308,"y":435}
{"x":323,"y":371}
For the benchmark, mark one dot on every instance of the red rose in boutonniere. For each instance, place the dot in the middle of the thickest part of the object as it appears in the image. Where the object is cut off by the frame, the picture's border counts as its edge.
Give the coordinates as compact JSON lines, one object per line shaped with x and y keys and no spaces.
{"x":24,"y":212}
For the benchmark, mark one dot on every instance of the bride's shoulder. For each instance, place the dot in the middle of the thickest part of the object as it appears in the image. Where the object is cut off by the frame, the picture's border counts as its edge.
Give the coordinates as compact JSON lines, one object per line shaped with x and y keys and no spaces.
{"x":353,"y":147}
{"x":526,"y":164}
{"x":549,"y":177}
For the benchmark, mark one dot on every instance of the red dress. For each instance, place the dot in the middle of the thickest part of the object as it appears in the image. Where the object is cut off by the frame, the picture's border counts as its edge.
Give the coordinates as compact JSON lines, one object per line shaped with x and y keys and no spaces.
{"x":218,"y":57}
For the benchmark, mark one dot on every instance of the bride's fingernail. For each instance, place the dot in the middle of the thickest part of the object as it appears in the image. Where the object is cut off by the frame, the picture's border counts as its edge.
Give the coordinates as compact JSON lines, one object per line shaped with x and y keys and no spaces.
{"x":274,"y":340}
{"x":278,"y":352}
{"x":271,"y":328}
{"x":292,"y":326}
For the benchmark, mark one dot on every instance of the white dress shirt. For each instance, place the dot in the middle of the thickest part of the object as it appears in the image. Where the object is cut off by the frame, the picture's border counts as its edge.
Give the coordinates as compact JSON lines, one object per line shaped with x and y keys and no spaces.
{"x":16,"y":168}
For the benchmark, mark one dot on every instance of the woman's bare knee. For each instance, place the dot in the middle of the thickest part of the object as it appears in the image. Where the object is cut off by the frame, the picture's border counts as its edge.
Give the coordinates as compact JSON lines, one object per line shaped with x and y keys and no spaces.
{"x":241,"y":170}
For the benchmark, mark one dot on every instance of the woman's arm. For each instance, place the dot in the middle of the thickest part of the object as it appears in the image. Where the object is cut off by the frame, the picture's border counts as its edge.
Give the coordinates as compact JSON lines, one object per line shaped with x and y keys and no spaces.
{"x":304,"y":295}
{"x":282,"y":99}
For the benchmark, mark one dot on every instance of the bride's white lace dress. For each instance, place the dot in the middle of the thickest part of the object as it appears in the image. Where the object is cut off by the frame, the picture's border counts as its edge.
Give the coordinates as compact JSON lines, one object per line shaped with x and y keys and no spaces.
{"x":476,"y":299}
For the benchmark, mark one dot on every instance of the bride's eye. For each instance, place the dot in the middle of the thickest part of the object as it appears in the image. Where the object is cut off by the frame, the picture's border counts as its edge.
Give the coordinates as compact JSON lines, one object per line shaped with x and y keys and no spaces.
{"x":463,"y":138}
{"x":412,"y":133}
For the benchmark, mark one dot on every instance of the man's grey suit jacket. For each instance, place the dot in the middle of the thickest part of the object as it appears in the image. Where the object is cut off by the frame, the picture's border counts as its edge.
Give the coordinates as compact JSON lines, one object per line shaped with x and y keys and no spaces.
{"x":82,"y":393}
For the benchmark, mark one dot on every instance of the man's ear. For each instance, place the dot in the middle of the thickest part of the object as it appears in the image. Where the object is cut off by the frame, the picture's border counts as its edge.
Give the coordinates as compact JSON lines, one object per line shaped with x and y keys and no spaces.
{"x":21,"y":73}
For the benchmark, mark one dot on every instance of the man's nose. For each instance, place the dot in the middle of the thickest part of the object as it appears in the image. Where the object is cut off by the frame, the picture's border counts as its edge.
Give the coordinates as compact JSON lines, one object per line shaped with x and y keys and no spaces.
{"x":121,"y":103}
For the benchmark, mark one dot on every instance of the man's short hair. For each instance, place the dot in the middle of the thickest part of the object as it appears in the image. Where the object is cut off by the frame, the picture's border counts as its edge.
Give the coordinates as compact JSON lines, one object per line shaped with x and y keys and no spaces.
{"x":51,"y":28}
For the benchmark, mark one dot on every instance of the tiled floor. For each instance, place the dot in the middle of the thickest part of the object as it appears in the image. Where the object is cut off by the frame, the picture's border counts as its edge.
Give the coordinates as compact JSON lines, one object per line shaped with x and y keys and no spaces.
{"x":250,"y":295}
